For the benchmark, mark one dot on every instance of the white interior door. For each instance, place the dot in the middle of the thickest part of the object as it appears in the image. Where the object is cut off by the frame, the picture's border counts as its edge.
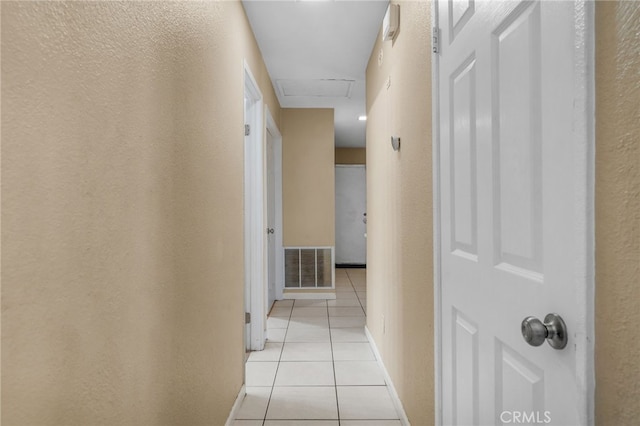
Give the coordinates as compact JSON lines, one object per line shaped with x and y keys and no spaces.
{"x":275,"y":197}
{"x":514,"y":210}
{"x":247,"y":224}
{"x":351,"y":208}
{"x":271,"y":223}
{"x":255,"y":240}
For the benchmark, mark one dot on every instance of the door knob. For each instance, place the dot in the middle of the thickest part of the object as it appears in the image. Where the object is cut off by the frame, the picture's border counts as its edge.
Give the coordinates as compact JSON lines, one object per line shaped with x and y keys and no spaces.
{"x":553,"y":330}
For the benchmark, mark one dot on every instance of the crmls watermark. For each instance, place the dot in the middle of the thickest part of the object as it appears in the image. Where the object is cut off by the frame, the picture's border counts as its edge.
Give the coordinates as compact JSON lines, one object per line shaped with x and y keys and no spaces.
{"x":528,"y":417}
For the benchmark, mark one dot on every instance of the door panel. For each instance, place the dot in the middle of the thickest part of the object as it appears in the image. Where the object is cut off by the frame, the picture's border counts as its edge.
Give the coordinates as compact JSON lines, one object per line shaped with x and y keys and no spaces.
{"x":463,"y":159}
{"x":515,"y":73}
{"x":512,"y":217}
{"x":519,"y":385}
{"x":465,"y":367}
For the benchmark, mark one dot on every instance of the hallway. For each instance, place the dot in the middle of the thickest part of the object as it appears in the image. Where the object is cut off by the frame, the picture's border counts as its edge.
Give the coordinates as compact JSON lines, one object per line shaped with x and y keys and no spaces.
{"x":318,"y":367}
{"x":125,"y":260}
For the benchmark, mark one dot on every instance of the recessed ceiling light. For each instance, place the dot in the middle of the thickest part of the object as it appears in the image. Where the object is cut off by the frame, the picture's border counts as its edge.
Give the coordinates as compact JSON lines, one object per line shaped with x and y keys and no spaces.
{"x":362,"y":118}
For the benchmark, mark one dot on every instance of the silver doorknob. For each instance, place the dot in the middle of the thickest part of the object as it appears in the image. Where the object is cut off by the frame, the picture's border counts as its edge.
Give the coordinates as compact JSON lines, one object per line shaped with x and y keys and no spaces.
{"x":553,"y":330}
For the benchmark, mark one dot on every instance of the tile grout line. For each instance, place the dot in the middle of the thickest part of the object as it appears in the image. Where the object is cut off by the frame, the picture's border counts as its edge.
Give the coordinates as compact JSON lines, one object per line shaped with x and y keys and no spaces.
{"x":365,"y":315}
{"x":333,"y":366}
{"x":356,"y":292}
{"x":273,"y":385}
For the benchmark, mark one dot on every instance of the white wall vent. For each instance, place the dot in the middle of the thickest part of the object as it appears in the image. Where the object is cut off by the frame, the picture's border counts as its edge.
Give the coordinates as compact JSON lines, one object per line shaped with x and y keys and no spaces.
{"x":308,"y":267}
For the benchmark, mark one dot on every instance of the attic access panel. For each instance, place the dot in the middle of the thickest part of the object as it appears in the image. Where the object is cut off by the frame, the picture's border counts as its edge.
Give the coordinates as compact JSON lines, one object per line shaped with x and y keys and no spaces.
{"x":322,"y":88}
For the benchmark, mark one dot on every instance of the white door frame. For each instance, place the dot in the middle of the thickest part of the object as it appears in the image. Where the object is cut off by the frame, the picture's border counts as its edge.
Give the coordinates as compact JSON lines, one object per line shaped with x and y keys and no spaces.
{"x":254,"y":212}
{"x":273,"y":130}
{"x":437,"y":273}
{"x":584,"y":130}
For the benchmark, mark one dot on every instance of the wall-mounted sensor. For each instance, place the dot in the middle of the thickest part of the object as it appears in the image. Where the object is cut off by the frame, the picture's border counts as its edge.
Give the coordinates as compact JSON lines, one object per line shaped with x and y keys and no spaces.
{"x":390,"y":22}
{"x":395,"y":143}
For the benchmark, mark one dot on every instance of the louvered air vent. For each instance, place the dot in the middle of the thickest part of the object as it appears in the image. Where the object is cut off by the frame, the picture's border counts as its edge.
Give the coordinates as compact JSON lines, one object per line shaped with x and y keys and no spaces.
{"x":308,"y":267}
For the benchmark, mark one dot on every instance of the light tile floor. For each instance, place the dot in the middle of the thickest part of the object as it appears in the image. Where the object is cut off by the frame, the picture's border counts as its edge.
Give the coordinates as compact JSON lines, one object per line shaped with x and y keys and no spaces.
{"x":317,"y":368}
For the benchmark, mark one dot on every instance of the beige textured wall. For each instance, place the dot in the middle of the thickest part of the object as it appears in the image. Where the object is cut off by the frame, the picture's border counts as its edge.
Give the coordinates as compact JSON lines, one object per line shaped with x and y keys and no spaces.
{"x":308,"y":177}
{"x":399,"y":204}
{"x":351,"y":156}
{"x":617,"y":354}
{"x":122,"y":205}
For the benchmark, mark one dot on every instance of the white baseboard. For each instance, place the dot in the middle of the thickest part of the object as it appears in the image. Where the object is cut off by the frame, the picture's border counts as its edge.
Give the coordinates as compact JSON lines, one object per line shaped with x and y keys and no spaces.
{"x":304,"y":295}
{"x":392,"y":390}
{"x":236,"y":406}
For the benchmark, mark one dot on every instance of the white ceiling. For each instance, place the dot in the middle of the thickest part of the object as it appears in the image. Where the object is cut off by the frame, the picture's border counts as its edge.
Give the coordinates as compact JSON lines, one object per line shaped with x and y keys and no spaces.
{"x":316,"y":53}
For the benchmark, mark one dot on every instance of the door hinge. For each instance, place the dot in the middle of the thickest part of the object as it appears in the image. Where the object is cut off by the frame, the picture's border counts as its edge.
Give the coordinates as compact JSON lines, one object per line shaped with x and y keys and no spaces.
{"x":247,"y":317}
{"x":435,"y":40}
{"x":247,"y":129}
